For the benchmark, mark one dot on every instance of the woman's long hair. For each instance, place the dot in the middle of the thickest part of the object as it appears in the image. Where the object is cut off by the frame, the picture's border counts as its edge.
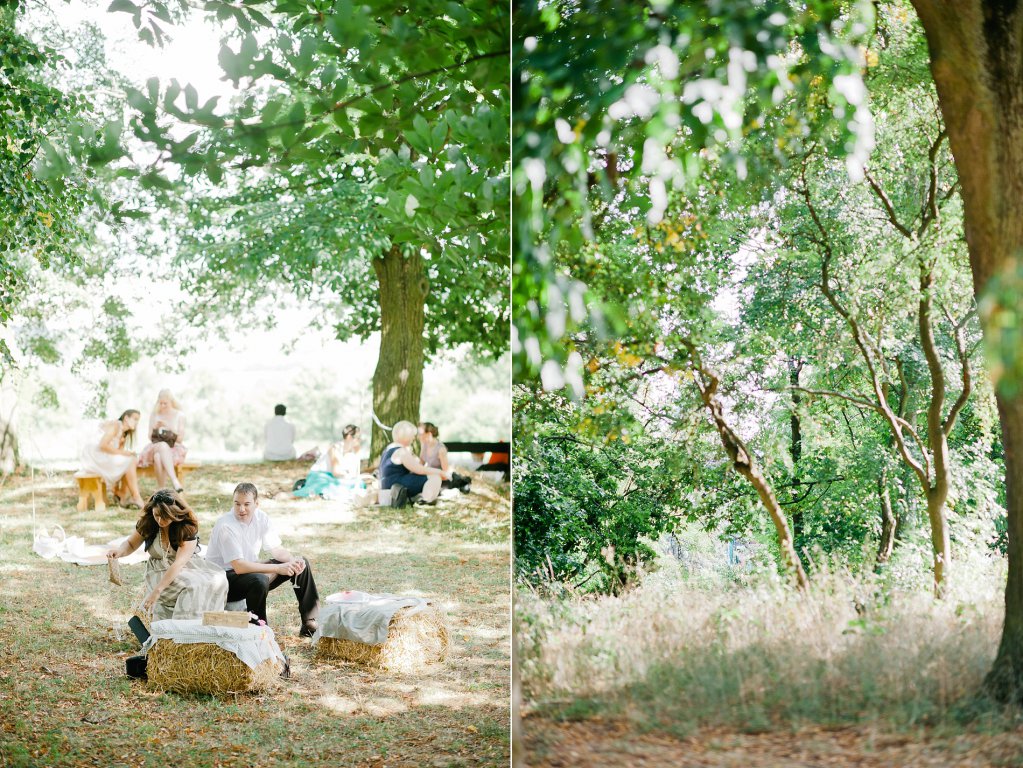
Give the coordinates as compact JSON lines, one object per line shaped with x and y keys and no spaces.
{"x":169,"y":504}
{"x":128,"y":434}
{"x":165,"y":393}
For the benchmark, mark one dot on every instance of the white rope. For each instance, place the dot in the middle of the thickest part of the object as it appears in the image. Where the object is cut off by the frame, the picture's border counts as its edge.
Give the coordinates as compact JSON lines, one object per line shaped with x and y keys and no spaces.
{"x":380,"y":423}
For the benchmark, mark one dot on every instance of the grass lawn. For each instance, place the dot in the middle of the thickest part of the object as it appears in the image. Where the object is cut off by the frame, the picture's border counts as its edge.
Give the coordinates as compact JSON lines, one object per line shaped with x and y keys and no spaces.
{"x":65,"y":700}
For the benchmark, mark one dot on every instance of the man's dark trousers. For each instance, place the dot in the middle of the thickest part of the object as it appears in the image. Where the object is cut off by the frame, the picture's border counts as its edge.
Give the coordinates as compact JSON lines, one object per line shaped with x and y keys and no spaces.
{"x":254,"y":587}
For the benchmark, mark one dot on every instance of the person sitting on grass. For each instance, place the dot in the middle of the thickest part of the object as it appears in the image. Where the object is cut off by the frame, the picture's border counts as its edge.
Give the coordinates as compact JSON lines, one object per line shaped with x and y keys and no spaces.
{"x":402,"y":472}
{"x":179,"y":586}
{"x":336,"y":473}
{"x":433,"y":453}
{"x":235,"y":544}
{"x":279,"y":434}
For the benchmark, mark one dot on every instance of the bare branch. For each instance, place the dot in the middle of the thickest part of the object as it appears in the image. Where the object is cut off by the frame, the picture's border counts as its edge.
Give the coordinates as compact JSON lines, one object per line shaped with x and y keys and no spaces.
{"x":888,"y":207}
{"x":929,"y":211}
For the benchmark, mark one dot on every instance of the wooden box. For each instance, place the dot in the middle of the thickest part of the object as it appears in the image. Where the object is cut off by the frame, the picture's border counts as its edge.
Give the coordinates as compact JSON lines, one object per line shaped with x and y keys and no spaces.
{"x":226,"y":618}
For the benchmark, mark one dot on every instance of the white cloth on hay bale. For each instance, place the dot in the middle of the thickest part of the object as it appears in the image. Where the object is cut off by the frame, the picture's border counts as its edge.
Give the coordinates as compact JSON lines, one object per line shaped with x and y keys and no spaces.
{"x":252,"y":645}
{"x":362,"y":617}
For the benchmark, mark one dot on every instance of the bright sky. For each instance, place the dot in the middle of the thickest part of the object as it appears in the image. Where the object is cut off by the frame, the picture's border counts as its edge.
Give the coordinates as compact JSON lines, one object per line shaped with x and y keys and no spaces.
{"x":190,"y":56}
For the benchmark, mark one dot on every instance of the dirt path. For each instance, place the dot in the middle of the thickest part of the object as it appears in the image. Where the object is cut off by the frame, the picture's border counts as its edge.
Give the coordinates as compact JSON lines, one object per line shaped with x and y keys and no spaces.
{"x":606,"y":743}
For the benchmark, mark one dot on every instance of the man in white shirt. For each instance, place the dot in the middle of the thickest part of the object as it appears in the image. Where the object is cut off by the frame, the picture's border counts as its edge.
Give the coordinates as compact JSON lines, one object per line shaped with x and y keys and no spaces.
{"x":235,"y":544}
{"x":280,"y":437}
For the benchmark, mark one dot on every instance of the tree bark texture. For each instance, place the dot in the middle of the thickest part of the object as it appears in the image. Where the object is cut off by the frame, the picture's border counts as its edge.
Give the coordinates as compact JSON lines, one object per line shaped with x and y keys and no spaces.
{"x":976,"y":49}
{"x":398,"y":378}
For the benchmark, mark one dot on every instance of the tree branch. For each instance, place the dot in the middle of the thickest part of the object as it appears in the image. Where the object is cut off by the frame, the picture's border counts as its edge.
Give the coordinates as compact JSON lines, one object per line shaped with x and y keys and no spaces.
{"x":888,"y":207}
{"x":929,"y":211}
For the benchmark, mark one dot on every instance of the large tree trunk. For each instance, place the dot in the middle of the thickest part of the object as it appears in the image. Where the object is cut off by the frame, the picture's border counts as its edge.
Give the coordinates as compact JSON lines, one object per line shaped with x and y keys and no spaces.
{"x":976,"y":49}
{"x":398,"y":378}
{"x":1005,"y":680}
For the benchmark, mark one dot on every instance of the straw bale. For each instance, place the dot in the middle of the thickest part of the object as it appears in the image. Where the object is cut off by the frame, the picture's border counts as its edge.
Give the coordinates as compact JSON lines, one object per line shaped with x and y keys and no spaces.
{"x":206,"y":668}
{"x":413,"y":640}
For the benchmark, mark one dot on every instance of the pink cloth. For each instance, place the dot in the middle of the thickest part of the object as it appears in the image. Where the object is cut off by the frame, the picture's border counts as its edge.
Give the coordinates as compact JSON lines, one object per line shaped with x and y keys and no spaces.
{"x":178,"y":452}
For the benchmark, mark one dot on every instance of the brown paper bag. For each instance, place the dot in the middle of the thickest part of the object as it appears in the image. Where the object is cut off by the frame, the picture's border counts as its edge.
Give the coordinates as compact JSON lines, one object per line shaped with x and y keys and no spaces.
{"x":115,"y":571}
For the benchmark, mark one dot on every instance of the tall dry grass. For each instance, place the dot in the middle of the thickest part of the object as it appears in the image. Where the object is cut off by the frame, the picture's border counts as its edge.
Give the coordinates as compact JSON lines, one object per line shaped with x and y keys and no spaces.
{"x":679,"y":652}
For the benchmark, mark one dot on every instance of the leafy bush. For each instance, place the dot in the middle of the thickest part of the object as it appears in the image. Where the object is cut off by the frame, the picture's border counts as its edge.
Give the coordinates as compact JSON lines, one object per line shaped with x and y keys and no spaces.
{"x":582,"y":510}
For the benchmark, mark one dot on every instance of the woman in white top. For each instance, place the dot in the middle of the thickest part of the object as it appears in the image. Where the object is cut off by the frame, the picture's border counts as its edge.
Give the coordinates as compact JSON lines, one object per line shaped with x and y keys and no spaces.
{"x":336,"y":473}
{"x":165,"y":454}
{"x":108,"y":456}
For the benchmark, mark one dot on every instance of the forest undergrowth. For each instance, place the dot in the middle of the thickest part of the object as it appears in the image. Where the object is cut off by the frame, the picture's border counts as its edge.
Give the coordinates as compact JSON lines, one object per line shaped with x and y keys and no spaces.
{"x":744,"y":650}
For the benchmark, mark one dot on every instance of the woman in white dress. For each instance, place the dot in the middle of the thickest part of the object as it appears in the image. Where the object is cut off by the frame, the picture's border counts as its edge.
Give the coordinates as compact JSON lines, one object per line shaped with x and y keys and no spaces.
{"x":107,"y":456}
{"x":179,"y":583}
{"x":166,"y":454}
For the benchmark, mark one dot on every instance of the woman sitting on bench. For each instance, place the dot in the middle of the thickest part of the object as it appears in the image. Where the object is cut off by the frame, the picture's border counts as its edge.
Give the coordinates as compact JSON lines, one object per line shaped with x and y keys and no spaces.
{"x":108,"y":457}
{"x":167,"y":451}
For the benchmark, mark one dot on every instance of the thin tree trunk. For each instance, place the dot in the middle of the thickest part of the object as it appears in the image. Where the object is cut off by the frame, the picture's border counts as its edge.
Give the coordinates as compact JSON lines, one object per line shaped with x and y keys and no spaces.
{"x":398,"y":378}
{"x":976,"y":49}
{"x":795,"y":444}
{"x":930,"y":465}
{"x":886,"y":543}
{"x":744,"y":463}
{"x":10,"y":456}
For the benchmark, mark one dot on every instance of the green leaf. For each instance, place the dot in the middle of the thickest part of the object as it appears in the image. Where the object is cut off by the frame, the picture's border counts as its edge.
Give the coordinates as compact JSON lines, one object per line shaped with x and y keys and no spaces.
{"x":125,"y":6}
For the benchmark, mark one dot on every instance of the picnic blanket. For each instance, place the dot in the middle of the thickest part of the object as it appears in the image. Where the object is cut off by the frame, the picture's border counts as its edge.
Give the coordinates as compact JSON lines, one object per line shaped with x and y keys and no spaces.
{"x":362,"y":617}
{"x":73,"y":549}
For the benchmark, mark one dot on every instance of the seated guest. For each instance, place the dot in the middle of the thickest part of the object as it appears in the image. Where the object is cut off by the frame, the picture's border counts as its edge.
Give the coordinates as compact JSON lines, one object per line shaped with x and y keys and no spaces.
{"x":107,"y":455}
{"x":336,"y":473}
{"x":497,"y":461}
{"x":433,"y":453}
{"x":280,"y":437}
{"x":402,"y":472}
{"x":167,"y":450}
{"x":235,"y":544}
{"x":178,"y":585}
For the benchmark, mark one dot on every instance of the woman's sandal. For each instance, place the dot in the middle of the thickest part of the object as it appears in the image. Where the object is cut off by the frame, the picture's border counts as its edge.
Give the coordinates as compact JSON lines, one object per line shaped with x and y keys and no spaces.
{"x":133,"y":505}
{"x":117,"y":499}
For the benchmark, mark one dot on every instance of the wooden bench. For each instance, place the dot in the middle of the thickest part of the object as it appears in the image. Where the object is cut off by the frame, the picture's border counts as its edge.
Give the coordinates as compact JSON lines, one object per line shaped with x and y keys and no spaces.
{"x":492,"y":447}
{"x":181,"y":470}
{"x":91,"y":486}
{"x":94,"y":487}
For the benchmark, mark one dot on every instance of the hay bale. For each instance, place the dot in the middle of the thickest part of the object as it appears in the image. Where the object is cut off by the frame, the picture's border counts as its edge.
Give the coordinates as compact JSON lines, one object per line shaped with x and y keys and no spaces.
{"x":206,"y":668}
{"x":414,"y":638}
